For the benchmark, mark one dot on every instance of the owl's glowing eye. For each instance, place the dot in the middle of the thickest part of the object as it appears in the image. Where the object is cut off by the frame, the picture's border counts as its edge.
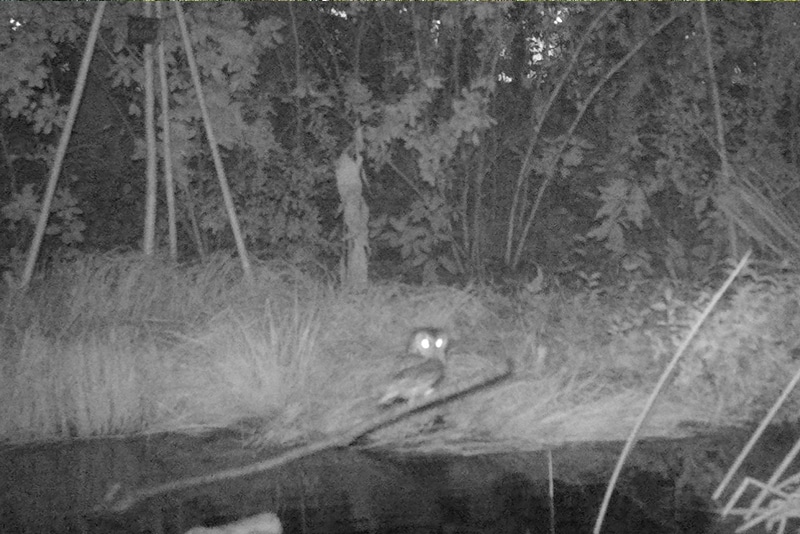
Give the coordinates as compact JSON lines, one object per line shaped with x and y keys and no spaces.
{"x":439,"y":342}
{"x":425,"y":343}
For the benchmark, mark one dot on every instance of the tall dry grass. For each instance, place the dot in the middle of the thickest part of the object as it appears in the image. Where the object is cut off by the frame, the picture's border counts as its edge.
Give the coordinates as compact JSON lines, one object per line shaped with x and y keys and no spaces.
{"x":104,"y":345}
{"x":93,"y":384}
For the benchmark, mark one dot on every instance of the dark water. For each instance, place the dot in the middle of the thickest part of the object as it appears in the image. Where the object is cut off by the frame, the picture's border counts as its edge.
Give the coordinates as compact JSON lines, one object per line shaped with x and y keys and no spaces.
{"x":53,"y":488}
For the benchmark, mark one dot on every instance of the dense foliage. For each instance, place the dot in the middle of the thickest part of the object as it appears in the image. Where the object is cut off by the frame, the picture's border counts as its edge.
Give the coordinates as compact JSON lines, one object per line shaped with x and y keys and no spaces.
{"x":581,"y":138}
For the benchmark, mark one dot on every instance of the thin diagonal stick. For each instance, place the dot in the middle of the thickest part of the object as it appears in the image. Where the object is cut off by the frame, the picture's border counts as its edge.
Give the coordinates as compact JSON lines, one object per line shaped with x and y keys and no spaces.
{"x":116,"y":500}
{"x":659,"y":386}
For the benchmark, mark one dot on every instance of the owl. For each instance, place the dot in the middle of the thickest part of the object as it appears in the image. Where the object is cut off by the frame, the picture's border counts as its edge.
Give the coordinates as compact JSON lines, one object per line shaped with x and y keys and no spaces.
{"x":423,"y":367}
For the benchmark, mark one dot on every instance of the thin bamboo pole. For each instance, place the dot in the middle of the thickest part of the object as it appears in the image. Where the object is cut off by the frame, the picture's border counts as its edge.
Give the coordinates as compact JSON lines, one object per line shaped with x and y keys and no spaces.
{"x":61,"y":151}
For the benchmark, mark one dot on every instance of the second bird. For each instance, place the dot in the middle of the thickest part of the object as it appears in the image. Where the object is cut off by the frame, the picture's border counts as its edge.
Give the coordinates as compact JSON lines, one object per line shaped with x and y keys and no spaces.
{"x":424,"y":366}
